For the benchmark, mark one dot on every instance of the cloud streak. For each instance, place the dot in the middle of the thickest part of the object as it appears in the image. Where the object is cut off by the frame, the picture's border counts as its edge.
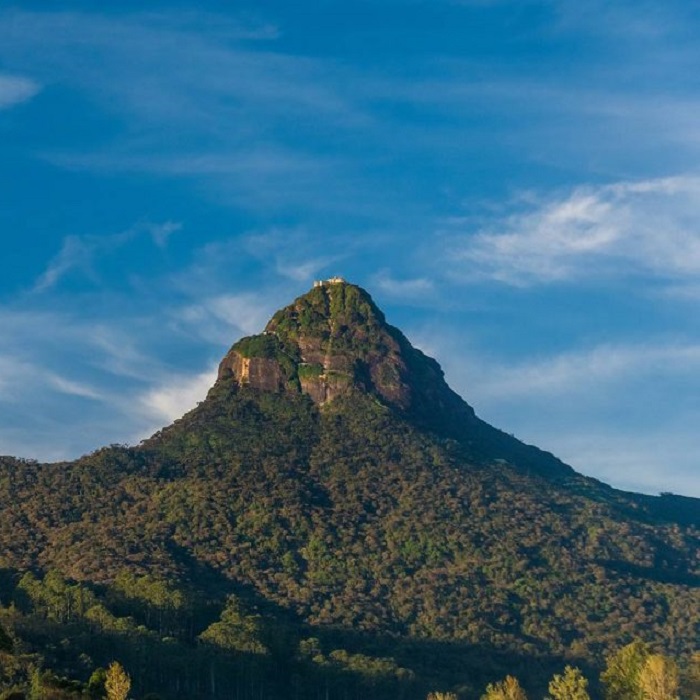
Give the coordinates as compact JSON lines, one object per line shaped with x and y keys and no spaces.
{"x":15,"y":89}
{"x":592,"y":371}
{"x":175,"y":396}
{"x":80,"y":253}
{"x":627,"y":228}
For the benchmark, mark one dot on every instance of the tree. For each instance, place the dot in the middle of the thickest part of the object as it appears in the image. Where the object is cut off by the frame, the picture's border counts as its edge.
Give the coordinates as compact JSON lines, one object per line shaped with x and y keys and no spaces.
{"x":236,"y":630}
{"x":36,"y":685}
{"x":117,"y":683}
{"x":620,"y":678}
{"x":442,"y":696}
{"x":508,"y":689}
{"x":96,"y":683}
{"x":691,"y":678}
{"x":572,"y":685}
{"x":658,"y":679}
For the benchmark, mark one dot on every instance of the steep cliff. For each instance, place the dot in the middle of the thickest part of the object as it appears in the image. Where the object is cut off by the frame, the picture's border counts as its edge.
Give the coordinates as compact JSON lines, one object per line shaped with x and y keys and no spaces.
{"x":333,"y":340}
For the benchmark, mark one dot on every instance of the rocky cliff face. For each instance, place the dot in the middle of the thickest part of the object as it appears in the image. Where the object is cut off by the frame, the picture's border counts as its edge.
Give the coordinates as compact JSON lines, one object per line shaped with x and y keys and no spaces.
{"x":333,"y":340}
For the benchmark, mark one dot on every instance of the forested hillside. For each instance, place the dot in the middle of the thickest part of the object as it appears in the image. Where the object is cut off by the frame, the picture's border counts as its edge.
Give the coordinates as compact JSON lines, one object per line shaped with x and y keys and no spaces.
{"x":334,"y":521}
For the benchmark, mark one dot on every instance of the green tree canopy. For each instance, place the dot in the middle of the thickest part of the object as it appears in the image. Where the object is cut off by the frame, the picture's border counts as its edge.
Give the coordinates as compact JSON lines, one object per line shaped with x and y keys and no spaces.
{"x":620,"y":678}
{"x":571,"y":685}
{"x":658,"y":678}
{"x":236,"y":630}
{"x":507,"y":689}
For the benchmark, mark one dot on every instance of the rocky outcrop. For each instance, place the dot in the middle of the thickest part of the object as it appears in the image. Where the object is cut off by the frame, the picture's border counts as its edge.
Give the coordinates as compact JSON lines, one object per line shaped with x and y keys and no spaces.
{"x":332,"y":340}
{"x":259,"y":372}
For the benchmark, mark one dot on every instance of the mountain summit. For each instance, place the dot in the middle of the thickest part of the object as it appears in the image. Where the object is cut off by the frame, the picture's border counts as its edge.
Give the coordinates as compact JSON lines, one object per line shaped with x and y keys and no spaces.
{"x":334,"y":340}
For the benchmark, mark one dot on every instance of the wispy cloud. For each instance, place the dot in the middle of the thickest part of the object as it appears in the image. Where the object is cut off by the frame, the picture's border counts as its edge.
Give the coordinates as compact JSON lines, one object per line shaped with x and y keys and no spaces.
{"x":14,"y":90}
{"x":177,"y":70}
{"x":644,"y":19}
{"x":624,"y":413}
{"x":595,"y":370}
{"x":294,"y":253}
{"x":410,"y":288}
{"x":647,"y":227}
{"x":175,"y":396}
{"x":223,"y":318}
{"x":13,"y":372}
{"x":77,"y":252}
{"x":80,"y":252}
{"x":69,"y":384}
{"x":252,"y":125}
{"x":659,"y":460}
{"x":161,"y":233}
{"x":72,"y":388}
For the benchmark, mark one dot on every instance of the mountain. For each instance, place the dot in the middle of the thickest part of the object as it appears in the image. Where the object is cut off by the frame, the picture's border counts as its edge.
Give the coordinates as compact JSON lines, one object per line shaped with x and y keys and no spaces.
{"x":334,"y":519}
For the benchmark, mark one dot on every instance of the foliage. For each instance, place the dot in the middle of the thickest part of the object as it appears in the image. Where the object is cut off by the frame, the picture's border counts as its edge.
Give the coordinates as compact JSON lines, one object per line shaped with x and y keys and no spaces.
{"x":6,"y":643}
{"x":572,"y":685}
{"x":690,"y":680}
{"x":621,"y":676}
{"x":507,"y":689}
{"x":236,"y":630}
{"x":117,"y":682}
{"x":658,"y":679}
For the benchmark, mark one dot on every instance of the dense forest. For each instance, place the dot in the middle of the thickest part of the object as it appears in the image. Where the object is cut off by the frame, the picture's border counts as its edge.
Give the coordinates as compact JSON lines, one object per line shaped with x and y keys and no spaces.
{"x":334,"y":522}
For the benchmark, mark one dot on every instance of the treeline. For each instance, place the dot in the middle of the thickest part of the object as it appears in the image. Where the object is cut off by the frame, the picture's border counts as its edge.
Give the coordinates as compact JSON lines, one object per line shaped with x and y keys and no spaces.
{"x":59,"y":640}
{"x":633,"y":672}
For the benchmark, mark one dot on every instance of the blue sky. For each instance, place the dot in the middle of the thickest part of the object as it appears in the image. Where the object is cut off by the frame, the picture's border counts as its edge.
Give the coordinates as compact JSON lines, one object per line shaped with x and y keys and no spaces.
{"x":516,"y":183}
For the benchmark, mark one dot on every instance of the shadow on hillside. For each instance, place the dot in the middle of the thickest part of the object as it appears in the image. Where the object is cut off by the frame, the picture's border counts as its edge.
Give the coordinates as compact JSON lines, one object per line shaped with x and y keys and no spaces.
{"x":649,"y":573}
{"x":438,"y":665}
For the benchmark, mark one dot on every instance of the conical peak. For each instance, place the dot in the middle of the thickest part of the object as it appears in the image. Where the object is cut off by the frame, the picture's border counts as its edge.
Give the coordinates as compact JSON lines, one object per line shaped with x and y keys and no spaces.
{"x":334,"y":340}
{"x":328,"y":309}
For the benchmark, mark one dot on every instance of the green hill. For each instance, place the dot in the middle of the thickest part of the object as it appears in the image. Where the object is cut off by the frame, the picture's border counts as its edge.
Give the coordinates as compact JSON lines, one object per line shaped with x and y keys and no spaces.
{"x":334,"y":519}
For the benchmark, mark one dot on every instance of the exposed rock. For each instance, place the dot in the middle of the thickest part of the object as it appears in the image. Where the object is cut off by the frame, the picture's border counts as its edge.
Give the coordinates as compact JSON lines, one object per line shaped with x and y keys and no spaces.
{"x":259,"y":372}
{"x":332,"y":340}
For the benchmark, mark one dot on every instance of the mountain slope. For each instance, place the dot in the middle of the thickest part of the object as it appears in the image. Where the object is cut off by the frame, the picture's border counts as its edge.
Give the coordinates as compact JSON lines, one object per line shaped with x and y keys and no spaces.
{"x":332,"y":479}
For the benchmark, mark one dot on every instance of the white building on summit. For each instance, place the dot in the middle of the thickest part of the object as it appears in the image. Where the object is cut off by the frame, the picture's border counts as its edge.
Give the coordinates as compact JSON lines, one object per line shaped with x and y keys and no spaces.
{"x":330,"y":280}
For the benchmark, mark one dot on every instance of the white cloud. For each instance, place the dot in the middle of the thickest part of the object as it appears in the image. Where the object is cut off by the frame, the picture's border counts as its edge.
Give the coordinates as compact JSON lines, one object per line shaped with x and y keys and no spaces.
{"x":294,"y":253}
{"x":176,"y":69}
{"x":177,"y":395}
{"x":161,"y":232}
{"x":76,"y":253}
{"x":647,"y":227}
{"x":593,"y":370}
{"x":72,"y":388}
{"x":625,"y":413}
{"x":13,"y":374}
{"x":51,"y":364}
{"x":15,"y":90}
{"x":223,"y":318}
{"x":653,"y":462}
{"x":403,"y":288}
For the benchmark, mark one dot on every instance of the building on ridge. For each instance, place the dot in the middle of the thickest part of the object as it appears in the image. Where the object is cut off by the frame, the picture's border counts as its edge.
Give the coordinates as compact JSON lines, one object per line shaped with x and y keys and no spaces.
{"x":329,"y":281}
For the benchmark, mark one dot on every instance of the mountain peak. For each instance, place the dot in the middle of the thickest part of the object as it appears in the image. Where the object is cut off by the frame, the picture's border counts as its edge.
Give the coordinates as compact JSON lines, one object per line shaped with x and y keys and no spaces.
{"x":334,"y":340}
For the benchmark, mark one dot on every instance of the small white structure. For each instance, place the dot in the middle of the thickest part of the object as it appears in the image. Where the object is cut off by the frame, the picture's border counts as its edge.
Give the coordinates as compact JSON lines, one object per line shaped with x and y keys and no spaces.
{"x":330,"y":280}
